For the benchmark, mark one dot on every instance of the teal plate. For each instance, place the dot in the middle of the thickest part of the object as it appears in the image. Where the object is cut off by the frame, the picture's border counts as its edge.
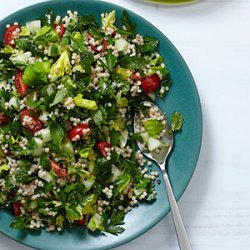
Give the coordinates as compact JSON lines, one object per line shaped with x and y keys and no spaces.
{"x":183,"y":97}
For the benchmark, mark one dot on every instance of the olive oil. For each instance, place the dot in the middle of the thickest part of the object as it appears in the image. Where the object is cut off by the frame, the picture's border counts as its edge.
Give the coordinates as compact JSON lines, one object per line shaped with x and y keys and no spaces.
{"x":172,"y":1}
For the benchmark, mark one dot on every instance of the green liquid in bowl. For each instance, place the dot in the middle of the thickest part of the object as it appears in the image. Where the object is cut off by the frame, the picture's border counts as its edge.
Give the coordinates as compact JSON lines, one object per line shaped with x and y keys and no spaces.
{"x":172,"y":1}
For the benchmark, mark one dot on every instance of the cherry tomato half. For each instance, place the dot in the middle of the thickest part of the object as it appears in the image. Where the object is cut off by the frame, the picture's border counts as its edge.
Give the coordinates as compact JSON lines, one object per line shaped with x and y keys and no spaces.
{"x":81,"y":222}
{"x":61,"y":30}
{"x":20,"y":85}
{"x":33,"y":124}
{"x":94,"y":48}
{"x":135,"y":76}
{"x":9,"y":36}
{"x":105,"y":44}
{"x":150,"y":83}
{"x":78,"y":132}
{"x":59,"y":171}
{"x":3,"y":119}
{"x":102,"y":145}
{"x":17,"y":208}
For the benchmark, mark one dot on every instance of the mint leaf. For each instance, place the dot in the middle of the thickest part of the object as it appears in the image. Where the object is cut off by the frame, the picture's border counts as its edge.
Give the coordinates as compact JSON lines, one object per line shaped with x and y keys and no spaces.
{"x":153,"y":127}
{"x":36,"y":73}
{"x":176,"y":122}
{"x":57,"y":133}
{"x":133,"y":62}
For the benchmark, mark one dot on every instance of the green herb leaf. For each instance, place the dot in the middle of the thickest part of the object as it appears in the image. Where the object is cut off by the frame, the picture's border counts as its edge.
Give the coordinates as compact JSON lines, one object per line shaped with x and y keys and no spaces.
{"x":48,"y":18}
{"x":117,"y":219}
{"x":78,"y":45}
{"x":61,"y":66}
{"x":122,"y":181}
{"x":153,"y":127}
{"x":102,"y":170}
{"x":57,"y":133}
{"x":84,"y":153}
{"x":133,"y":62}
{"x":176,"y":122}
{"x":36,"y":73}
{"x":72,"y":214}
{"x":85,"y":23}
{"x":141,"y":186}
{"x":46,"y":34}
{"x":22,"y":175}
{"x":4,"y":167}
{"x":97,"y":117}
{"x":44,"y":161}
{"x":115,"y":137}
{"x":86,"y":61}
{"x":96,"y":223}
{"x":111,"y":60}
{"x":127,"y":23}
{"x":20,"y":223}
{"x":7,"y":69}
{"x":60,"y":94}
{"x":149,"y":44}
{"x":3,"y":197}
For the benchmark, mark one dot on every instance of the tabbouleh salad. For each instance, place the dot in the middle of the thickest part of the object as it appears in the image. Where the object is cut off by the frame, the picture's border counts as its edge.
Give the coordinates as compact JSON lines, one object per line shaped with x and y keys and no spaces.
{"x":68,"y":88}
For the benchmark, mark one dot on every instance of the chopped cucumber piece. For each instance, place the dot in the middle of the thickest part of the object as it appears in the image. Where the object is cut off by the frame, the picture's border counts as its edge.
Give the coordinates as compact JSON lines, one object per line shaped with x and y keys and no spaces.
{"x":46,"y":135}
{"x":45,"y":176}
{"x":89,"y":182}
{"x":145,"y":137}
{"x":44,"y":116}
{"x":123,"y":138}
{"x":21,"y":58}
{"x":3,"y":85}
{"x":121,"y":44}
{"x":67,"y":147}
{"x":13,"y":102}
{"x":154,"y":144}
{"x":33,"y":204}
{"x":115,"y":172}
{"x":38,"y":150}
{"x":33,"y":26}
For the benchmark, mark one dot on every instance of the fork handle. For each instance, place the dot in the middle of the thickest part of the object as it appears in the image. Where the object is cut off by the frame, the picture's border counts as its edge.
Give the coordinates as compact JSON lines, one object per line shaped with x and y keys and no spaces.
{"x":178,"y":223}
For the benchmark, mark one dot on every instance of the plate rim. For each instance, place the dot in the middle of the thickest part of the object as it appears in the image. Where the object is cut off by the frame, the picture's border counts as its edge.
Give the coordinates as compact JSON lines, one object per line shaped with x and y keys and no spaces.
{"x":191,"y":81}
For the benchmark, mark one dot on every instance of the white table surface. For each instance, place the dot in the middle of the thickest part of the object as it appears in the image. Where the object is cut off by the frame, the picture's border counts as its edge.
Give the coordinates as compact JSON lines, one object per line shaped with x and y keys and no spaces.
{"x":214,"y":38}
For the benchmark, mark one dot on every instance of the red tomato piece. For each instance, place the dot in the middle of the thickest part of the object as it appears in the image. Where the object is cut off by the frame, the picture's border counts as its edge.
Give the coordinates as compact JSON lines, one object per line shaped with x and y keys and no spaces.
{"x":9,"y":36}
{"x":150,"y":83}
{"x":29,"y":119}
{"x":102,"y":146}
{"x":59,"y":171}
{"x":81,"y":222}
{"x":60,"y":29}
{"x":105,"y":44}
{"x":20,"y":85}
{"x":17,"y":208}
{"x":29,"y":112}
{"x":3,"y":119}
{"x":135,"y":76}
{"x":78,"y":132}
{"x":89,"y":36}
{"x":94,"y":48}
